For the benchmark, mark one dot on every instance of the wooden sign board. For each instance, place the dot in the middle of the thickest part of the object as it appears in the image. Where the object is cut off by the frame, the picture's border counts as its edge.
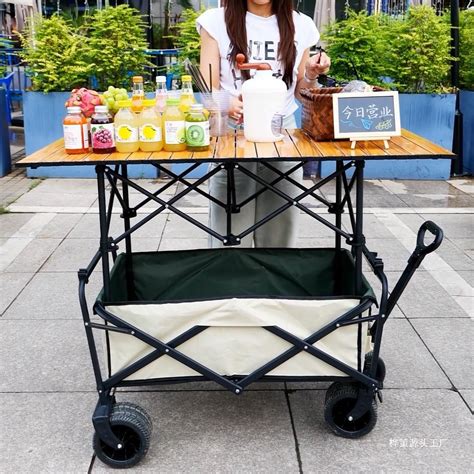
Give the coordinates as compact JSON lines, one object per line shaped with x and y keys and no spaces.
{"x":366,"y":116}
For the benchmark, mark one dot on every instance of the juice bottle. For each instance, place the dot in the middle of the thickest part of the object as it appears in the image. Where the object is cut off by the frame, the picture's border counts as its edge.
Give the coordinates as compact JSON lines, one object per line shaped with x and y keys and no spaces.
{"x":76,"y":133}
{"x":187,"y":95}
{"x":174,"y":126}
{"x":161,"y":94}
{"x":126,"y":128}
{"x":138,"y":94}
{"x":150,"y":128}
{"x":102,"y":130}
{"x":197,"y":129}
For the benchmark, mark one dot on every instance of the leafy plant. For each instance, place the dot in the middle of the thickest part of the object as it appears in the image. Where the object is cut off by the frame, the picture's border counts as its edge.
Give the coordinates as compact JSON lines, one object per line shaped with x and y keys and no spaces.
{"x":4,"y":43}
{"x":117,"y":45}
{"x":466,"y":49}
{"x":357,"y":46}
{"x":420,"y":59}
{"x":186,"y":37}
{"x":55,"y":54}
{"x":167,"y":24}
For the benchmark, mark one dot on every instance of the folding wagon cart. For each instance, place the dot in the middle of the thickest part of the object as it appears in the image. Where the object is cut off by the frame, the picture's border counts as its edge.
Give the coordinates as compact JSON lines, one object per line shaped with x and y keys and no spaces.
{"x":237,"y":315}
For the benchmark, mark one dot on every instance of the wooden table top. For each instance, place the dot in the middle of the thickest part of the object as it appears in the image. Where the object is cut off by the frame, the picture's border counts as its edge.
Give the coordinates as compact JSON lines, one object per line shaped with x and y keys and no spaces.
{"x":296,"y":145}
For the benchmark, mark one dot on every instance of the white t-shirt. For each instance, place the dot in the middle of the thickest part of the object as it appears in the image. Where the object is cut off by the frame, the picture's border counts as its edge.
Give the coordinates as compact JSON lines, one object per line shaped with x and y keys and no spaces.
{"x":263,"y":37}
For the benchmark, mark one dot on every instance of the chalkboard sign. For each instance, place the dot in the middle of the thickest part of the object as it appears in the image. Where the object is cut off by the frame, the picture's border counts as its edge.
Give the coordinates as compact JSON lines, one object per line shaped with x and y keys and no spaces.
{"x":366,"y":115}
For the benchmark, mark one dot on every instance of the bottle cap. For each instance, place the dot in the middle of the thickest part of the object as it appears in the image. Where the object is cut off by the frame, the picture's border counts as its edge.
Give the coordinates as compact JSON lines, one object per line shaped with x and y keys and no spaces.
{"x":186,"y":78}
{"x":196,"y":108}
{"x":148,"y":103}
{"x":74,"y":110}
{"x":123,"y":104}
{"x":172,"y":101}
{"x":101,"y":109}
{"x":137,"y":79}
{"x":161,"y":79}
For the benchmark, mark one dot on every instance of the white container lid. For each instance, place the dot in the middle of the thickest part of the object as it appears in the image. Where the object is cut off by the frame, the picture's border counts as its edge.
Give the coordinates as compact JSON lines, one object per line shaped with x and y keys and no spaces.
{"x":101,"y":109}
{"x":74,"y":110}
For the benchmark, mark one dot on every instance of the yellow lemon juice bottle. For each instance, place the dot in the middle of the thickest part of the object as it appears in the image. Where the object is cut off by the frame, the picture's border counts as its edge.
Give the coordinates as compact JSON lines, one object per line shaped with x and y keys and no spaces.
{"x":187,"y":95}
{"x":174,"y":127}
{"x":150,"y":133}
{"x":126,"y":128}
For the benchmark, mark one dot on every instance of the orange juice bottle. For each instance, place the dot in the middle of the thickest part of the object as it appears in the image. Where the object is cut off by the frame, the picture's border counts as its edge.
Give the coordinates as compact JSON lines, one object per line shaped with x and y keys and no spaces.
{"x":126,"y":128}
{"x":150,"y":128}
{"x":76,"y":132}
{"x":187,"y":96}
{"x":174,"y":126}
{"x":138,"y":94}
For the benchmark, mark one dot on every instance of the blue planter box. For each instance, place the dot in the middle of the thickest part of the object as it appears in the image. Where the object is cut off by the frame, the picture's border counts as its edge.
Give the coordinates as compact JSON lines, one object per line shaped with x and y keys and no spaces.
{"x":467,"y":109}
{"x":43,"y":118}
{"x":428,"y":115}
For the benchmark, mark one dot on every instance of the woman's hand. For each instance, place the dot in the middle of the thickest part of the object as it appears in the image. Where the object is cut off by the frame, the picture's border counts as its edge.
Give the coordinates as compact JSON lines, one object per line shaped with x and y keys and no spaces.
{"x":317,"y":65}
{"x":236,"y":109}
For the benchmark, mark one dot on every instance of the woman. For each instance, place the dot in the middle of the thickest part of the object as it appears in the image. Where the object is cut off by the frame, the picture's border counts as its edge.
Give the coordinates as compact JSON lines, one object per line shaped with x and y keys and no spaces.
{"x":265,"y":31}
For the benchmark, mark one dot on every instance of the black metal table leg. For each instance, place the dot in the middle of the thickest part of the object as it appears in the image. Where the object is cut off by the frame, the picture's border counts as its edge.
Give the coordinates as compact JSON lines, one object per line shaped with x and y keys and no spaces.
{"x":339,"y":166}
{"x":359,"y":239}
{"x":104,"y":241}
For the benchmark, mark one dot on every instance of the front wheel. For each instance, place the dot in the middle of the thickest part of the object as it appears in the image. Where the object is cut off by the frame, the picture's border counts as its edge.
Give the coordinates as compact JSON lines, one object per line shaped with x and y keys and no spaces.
{"x":340,"y":400}
{"x":133,"y":427}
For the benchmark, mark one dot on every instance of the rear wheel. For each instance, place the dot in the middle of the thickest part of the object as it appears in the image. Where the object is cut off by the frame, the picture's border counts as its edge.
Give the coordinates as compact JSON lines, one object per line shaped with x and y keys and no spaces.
{"x":132,"y":426}
{"x":381,"y":369}
{"x":340,"y":400}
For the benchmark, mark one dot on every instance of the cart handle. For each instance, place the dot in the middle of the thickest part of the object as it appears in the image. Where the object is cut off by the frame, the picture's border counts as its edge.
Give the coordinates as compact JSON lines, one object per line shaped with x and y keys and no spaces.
{"x":421,"y":249}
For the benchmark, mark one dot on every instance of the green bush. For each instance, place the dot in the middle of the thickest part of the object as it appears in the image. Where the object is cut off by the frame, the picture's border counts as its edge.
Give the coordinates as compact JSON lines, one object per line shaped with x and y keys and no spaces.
{"x":420,"y":59}
{"x":413,"y":51}
{"x":357,"y":46}
{"x":56,"y":54}
{"x":117,"y":45}
{"x":4,"y":43}
{"x":466,"y":49}
{"x":185,"y":36}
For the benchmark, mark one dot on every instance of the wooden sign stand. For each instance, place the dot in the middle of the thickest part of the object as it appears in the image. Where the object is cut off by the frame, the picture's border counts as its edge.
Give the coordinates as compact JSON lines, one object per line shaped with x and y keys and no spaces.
{"x":375,"y":137}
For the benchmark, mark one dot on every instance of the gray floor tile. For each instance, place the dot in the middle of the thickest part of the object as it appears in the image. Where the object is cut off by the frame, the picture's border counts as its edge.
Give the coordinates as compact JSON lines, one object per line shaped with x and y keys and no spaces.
{"x":183,"y":244}
{"x":46,"y":432}
{"x":373,"y":227}
{"x":421,"y":187}
{"x":455,"y":226}
{"x":52,"y":296}
{"x":217,"y":432}
{"x":468,"y":396}
{"x":420,"y":417}
{"x":450,"y":341}
{"x":73,"y":254}
{"x":45,"y":356}
{"x":67,"y":186}
{"x":88,"y":227}
{"x":401,"y":349}
{"x":424,"y":297}
{"x":60,"y":226}
{"x":178,"y":228}
{"x":11,"y":284}
{"x":153,"y":185}
{"x":437,"y":200}
{"x":463,"y":244}
{"x":392,"y":252}
{"x":468,"y":276}
{"x":311,"y":228}
{"x":10,"y":223}
{"x":38,"y":197}
{"x":34,"y":255}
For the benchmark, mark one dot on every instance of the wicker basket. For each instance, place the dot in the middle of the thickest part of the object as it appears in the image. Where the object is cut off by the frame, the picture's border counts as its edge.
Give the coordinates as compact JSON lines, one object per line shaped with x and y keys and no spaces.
{"x":317,"y":116}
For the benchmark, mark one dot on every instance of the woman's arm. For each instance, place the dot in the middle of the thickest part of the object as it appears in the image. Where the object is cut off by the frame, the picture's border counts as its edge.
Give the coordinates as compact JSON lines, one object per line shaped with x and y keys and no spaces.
{"x":210,"y":55}
{"x":309,"y":70}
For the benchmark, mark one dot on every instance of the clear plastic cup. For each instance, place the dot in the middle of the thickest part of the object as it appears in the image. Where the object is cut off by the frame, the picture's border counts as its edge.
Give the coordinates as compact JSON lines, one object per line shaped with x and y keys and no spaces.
{"x":217,"y":104}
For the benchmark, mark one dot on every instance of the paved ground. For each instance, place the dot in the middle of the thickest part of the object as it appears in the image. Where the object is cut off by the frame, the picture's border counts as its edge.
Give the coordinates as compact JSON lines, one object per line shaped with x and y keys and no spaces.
{"x":47,"y":390}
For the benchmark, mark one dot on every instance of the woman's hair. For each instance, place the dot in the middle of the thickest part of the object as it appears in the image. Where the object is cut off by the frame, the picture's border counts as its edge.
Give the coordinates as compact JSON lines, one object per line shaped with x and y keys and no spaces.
{"x":235,"y":14}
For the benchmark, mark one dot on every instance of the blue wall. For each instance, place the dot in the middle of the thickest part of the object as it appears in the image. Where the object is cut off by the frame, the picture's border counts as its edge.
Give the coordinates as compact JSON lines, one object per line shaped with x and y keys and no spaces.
{"x":428,"y":115}
{"x":43,"y":117}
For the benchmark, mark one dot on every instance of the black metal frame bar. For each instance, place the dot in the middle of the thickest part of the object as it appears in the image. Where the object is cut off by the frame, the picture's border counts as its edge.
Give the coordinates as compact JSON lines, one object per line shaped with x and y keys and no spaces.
{"x":237,"y":383}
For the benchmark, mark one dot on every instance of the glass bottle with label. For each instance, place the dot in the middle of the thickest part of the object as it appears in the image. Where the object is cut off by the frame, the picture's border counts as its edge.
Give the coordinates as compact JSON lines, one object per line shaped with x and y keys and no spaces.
{"x":187,"y":95}
{"x":126,"y":128}
{"x":174,"y":126}
{"x":150,"y":128}
{"x":197,"y":129}
{"x":161,"y":94}
{"x":138,"y":94}
{"x":76,"y":132}
{"x":102,"y":130}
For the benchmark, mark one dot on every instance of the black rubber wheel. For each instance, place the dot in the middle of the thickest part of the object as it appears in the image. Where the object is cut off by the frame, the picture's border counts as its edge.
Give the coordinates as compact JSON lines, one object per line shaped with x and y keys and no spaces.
{"x":381,"y":369}
{"x":340,"y":400}
{"x":132,"y":425}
